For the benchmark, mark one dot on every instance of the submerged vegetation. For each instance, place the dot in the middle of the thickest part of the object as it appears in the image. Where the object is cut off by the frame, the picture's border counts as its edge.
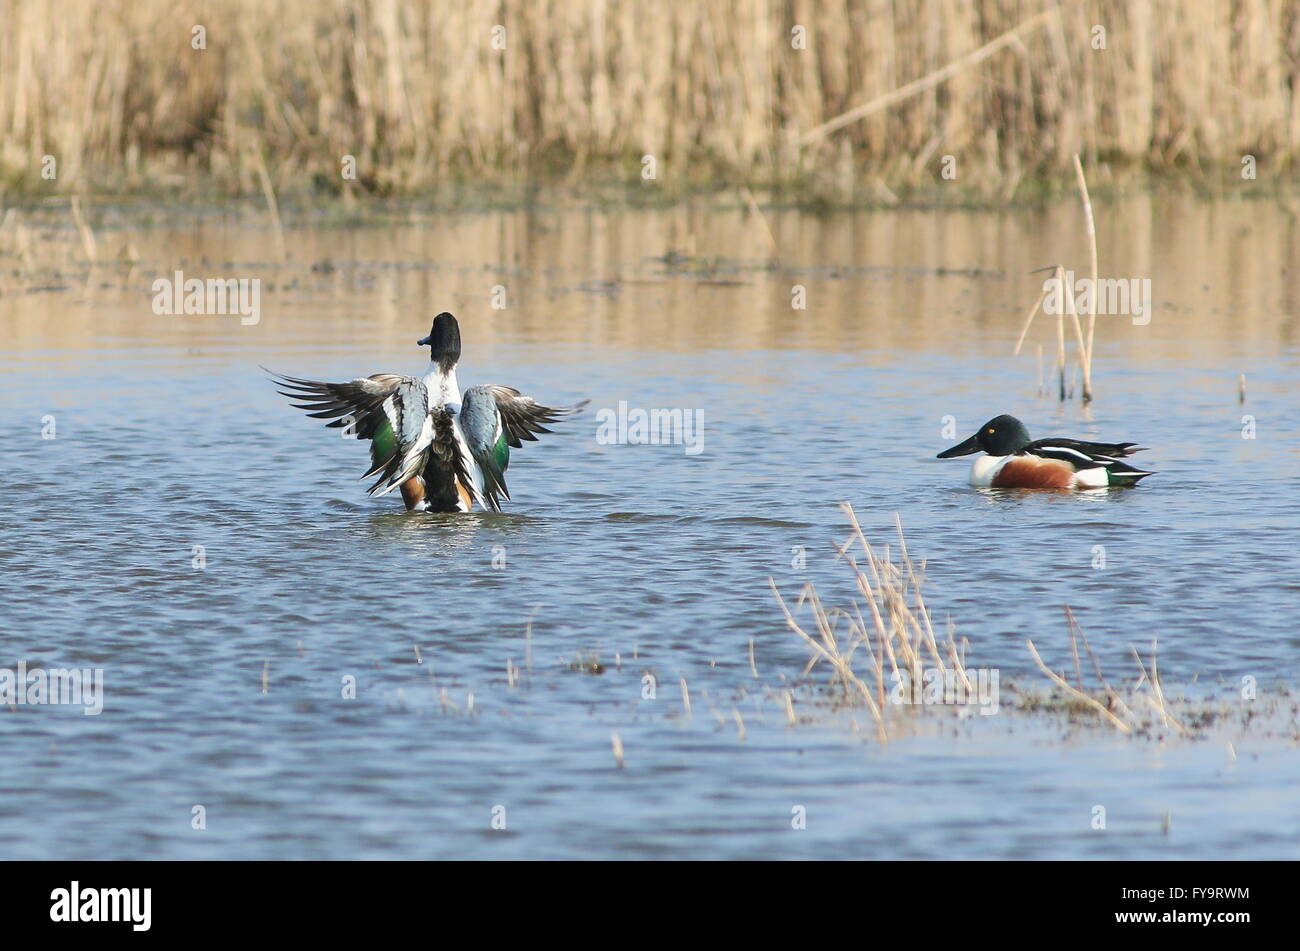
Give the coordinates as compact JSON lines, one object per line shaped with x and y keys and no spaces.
{"x":841,"y":100}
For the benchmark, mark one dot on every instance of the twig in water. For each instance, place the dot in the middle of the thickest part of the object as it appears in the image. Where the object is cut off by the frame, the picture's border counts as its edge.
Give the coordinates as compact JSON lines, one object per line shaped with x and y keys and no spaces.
{"x":528,"y":639}
{"x":1074,"y":649}
{"x":1157,"y":694}
{"x":1077,"y":694}
{"x":1113,"y":699}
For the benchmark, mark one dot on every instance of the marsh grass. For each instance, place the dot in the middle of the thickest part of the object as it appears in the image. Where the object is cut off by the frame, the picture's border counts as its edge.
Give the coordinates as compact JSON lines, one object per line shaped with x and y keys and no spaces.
{"x":419,"y":96}
{"x":895,"y":636}
{"x":898,"y":638}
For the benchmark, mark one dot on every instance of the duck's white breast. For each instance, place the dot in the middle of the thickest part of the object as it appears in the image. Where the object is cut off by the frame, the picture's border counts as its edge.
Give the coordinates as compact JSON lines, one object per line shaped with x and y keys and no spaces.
{"x":985,"y":468}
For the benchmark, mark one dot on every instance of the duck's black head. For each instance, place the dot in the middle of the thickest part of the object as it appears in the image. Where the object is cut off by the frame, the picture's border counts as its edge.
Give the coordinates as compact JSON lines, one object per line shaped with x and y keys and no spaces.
{"x":1000,"y":436}
{"x":443,"y":341}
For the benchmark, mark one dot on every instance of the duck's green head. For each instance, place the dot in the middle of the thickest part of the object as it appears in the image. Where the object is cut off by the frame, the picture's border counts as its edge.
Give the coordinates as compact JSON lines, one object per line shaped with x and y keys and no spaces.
{"x":443,"y":341}
{"x":1000,"y":436}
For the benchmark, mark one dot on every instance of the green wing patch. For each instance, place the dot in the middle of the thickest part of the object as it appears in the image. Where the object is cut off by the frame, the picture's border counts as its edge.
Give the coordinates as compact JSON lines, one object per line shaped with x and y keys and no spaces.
{"x":383,"y":444}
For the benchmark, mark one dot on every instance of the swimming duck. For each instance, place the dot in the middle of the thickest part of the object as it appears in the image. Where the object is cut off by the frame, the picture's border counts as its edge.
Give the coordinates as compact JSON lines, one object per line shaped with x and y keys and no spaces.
{"x":443,"y":451}
{"x":1015,"y":462}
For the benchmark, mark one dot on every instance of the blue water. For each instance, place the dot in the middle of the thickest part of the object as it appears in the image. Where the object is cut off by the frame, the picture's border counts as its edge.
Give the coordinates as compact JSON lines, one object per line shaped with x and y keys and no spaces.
{"x":654,"y":560}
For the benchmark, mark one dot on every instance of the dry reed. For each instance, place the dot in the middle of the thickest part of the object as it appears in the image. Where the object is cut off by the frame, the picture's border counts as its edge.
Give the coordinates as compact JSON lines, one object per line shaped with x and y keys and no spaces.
{"x":899,"y":639}
{"x":1066,"y":296}
{"x":899,"y":643}
{"x":417,"y":93}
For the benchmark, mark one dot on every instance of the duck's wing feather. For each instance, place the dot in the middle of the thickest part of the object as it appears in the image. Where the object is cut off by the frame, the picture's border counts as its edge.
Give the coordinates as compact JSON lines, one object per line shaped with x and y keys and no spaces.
{"x":522,"y":417}
{"x":488,"y":441}
{"x":494,"y":419}
{"x":1085,"y":455}
{"x":389,"y":409}
{"x":351,"y":404}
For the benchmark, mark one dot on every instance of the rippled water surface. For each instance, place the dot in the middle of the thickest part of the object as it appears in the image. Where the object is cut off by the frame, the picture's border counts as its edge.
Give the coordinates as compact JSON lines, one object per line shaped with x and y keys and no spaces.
{"x":224,"y":682}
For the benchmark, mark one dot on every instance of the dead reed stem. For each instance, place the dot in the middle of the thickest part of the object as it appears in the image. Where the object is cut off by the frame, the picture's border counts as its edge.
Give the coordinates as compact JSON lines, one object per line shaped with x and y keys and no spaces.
{"x":273,"y":206}
{"x":757,"y":212}
{"x":836,"y":660}
{"x":926,"y":82}
{"x":1060,"y":340}
{"x":1079,"y":695}
{"x":1092,"y":256}
{"x":83,"y":229}
{"x":1033,"y":312}
{"x":1113,"y":699}
{"x":1157,"y":698}
{"x":1068,"y":293}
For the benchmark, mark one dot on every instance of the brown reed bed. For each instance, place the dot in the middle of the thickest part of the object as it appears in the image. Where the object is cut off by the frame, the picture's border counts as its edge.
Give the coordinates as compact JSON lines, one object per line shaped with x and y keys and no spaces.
{"x":419,"y":96}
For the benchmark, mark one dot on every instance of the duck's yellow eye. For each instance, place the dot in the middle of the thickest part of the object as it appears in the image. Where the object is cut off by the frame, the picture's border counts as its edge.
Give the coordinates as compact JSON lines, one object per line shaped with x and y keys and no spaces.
{"x":991,"y":431}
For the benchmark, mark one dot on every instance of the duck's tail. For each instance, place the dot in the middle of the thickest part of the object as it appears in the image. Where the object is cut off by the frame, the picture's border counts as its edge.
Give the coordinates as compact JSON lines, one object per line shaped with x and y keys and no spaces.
{"x":1122,"y":474}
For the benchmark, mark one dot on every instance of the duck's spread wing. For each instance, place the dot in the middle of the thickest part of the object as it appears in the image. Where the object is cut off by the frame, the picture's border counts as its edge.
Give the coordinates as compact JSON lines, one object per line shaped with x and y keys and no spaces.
{"x":495,"y":419}
{"x":352,"y":404}
{"x":522,"y":416}
{"x":389,"y":409}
